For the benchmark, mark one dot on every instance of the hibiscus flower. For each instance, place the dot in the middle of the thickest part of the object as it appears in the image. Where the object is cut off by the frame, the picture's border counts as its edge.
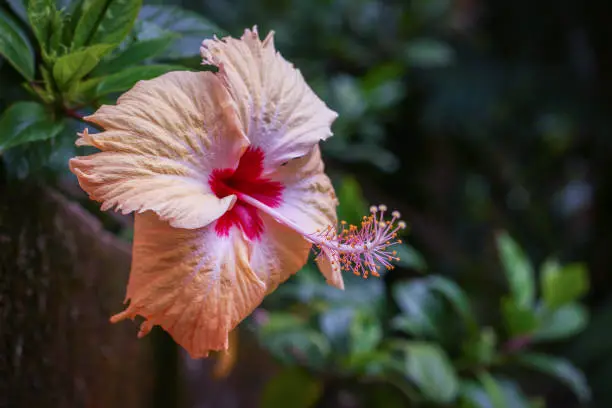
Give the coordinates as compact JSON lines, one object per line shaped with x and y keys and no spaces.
{"x":224,"y":174}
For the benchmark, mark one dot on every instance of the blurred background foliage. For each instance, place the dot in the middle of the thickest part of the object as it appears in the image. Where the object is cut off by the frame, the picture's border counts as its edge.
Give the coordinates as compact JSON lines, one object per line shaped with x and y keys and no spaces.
{"x":486,"y":123}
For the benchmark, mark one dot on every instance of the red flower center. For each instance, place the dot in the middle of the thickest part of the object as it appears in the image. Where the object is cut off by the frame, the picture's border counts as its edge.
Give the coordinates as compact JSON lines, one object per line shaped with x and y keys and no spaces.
{"x":245,"y":179}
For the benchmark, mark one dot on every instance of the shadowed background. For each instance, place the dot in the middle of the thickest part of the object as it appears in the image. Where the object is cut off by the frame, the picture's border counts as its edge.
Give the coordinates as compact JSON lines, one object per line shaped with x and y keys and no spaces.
{"x":471,"y":117}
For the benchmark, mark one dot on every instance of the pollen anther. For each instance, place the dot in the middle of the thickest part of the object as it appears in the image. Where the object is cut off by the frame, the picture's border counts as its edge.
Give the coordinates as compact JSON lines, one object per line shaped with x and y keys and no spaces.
{"x":363,"y":250}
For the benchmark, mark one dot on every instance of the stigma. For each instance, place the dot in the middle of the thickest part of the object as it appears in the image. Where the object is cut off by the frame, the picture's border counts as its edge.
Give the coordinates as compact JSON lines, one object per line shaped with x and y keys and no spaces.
{"x":366,"y":249}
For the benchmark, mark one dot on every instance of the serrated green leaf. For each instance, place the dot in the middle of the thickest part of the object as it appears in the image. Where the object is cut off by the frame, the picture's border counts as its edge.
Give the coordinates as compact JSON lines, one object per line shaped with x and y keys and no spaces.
{"x":43,"y":16}
{"x":25,"y":122}
{"x":55,"y":46}
{"x":566,"y":321}
{"x":560,"y":369}
{"x":134,"y":54}
{"x":294,"y":385}
{"x":518,"y":269}
{"x":519,"y":320}
{"x":105,"y":22}
{"x":430,"y":369}
{"x":561,"y":285}
{"x":72,"y":67}
{"x":191,"y":28}
{"x":127,"y":78}
{"x":15,"y":46}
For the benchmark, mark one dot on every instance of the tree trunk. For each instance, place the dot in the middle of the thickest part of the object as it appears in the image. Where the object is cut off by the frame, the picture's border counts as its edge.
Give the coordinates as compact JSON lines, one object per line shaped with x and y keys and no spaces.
{"x":61,"y":277}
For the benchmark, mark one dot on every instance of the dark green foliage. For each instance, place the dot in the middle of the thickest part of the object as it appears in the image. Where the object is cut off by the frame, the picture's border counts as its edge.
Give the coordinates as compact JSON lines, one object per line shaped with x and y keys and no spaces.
{"x":485,"y":123}
{"x":105,"y":22}
{"x":26,"y":122}
{"x":15,"y":46}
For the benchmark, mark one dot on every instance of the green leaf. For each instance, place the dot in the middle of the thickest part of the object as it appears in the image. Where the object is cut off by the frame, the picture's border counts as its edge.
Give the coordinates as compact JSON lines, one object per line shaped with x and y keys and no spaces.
{"x":19,"y":8}
{"x":456,"y":296}
{"x":561,"y":323}
{"x":126,"y":79}
{"x":352,"y":205}
{"x":410,"y":258}
{"x":43,"y":16}
{"x":72,"y":67}
{"x":15,"y":46}
{"x":134,"y":54}
{"x":26,"y":122}
{"x":85,"y":91}
{"x":430,"y":369}
{"x":493,"y":389}
{"x":292,"y":386}
{"x":560,"y":369}
{"x":191,"y":27}
{"x":382,"y":85}
{"x":519,"y":271}
{"x":291,"y":340}
{"x":472,"y":395}
{"x":57,"y":32}
{"x":105,"y":22}
{"x":519,"y":320}
{"x":492,"y":393}
{"x":366,"y":333}
{"x":374,"y":363}
{"x":563,"y":285}
{"x":482,"y":349}
{"x":419,"y":308}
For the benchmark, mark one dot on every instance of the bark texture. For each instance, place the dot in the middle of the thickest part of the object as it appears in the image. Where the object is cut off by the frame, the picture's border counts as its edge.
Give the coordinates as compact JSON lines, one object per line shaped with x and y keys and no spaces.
{"x":61,"y":277}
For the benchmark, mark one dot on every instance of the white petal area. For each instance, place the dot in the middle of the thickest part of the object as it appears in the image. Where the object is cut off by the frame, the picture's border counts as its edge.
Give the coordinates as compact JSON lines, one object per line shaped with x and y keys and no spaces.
{"x":279,"y":112}
{"x":159,"y":145}
{"x":194,"y":284}
{"x":279,"y":253}
{"x":309,"y":200}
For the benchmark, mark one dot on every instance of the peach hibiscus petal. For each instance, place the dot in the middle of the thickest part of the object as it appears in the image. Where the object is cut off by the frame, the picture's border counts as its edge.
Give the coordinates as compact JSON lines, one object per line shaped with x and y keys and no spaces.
{"x":279,"y":253}
{"x":310,"y":201}
{"x":159,"y":145}
{"x":194,"y":284}
{"x":329,"y":265}
{"x":279,"y":112}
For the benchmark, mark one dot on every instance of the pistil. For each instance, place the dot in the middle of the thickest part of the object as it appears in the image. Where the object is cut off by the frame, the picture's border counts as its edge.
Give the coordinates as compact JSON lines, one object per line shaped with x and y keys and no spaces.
{"x":361,"y":250}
